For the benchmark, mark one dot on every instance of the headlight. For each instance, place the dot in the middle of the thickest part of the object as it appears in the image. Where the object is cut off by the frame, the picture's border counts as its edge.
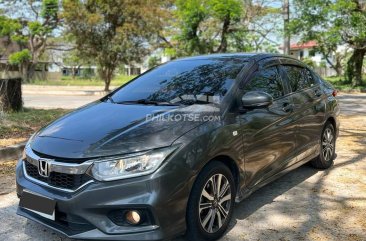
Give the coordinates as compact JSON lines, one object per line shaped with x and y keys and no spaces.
{"x":130,"y":166}
{"x":24,"y":154}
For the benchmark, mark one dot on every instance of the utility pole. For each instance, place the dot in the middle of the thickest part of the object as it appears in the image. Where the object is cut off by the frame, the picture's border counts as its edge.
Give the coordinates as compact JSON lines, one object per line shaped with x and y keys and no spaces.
{"x":286,"y":20}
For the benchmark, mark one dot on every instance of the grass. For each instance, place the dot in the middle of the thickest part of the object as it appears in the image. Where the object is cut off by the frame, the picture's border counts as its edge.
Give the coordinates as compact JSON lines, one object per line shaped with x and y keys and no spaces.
{"x":16,"y":127}
{"x":341,"y":84}
{"x":78,"y":81}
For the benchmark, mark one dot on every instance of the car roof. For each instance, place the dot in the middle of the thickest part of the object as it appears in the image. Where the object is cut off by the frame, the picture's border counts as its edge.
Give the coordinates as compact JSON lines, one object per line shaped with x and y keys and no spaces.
{"x":254,"y":56}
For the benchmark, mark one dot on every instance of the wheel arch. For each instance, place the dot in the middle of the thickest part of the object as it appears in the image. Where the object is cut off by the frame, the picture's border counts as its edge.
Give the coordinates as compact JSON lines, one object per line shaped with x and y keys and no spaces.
{"x":231,"y":164}
{"x":333,"y":122}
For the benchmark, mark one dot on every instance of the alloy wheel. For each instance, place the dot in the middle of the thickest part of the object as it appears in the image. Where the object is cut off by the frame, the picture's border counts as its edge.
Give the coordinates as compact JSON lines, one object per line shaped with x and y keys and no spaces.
{"x":328,"y":144}
{"x":215,"y":201}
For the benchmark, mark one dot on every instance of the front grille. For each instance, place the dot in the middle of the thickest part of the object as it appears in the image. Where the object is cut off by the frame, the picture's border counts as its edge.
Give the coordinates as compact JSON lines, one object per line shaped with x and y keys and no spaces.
{"x":56,"y":179}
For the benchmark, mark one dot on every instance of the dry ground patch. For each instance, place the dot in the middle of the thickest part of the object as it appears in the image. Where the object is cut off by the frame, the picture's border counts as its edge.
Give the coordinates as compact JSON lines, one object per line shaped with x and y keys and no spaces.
{"x":18,"y":126}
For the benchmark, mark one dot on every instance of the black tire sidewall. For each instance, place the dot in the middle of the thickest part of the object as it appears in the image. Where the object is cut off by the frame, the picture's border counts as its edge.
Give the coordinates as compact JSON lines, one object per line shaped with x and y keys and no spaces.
{"x":194,"y":229}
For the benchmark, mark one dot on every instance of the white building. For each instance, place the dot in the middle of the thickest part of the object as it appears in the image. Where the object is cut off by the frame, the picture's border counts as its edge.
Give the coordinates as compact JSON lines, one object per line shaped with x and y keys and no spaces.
{"x":307,"y":50}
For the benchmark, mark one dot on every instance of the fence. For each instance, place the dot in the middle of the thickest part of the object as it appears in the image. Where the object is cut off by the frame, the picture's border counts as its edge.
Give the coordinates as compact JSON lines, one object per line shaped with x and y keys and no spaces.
{"x":37,"y":75}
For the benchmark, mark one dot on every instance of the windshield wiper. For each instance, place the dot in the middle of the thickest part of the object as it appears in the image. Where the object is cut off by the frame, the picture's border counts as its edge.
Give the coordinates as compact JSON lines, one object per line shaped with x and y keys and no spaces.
{"x":193,"y":101}
{"x":108,"y":97}
{"x":146,"y":102}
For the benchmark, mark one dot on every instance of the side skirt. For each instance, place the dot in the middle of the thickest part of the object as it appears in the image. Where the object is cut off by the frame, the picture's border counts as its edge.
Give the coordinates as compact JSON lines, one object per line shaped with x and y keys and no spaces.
{"x":244,"y":193}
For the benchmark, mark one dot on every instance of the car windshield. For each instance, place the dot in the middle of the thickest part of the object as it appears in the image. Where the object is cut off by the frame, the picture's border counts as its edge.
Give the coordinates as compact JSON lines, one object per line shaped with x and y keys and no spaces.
{"x":195,"y":81}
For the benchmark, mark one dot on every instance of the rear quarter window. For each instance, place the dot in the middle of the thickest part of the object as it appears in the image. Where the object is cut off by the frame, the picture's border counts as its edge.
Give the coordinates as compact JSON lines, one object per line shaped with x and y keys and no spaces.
{"x":299,"y":78}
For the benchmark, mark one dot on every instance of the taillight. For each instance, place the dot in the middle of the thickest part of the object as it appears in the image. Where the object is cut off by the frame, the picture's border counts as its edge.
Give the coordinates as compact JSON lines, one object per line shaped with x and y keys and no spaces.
{"x":334,"y":93}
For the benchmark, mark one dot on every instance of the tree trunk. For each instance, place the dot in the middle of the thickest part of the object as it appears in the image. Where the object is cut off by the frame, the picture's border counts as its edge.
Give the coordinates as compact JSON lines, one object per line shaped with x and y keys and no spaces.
{"x":107,"y":83}
{"x":27,"y":71}
{"x":286,"y":20}
{"x":225,"y":28}
{"x":23,"y":69}
{"x":338,"y":68}
{"x":11,"y":94}
{"x":106,"y":75}
{"x":354,"y":67}
{"x":73,"y":69}
{"x":31,"y":71}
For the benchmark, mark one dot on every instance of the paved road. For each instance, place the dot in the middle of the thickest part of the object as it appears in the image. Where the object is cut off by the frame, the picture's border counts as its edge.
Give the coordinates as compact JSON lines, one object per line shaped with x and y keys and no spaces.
{"x":353,"y":104}
{"x":305,"y":204}
{"x":57,"y":101}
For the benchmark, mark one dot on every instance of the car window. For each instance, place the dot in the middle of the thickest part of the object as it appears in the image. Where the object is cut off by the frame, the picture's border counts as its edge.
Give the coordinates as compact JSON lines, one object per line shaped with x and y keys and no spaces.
{"x":310,"y":77}
{"x":267,"y":80}
{"x":184,"y":80}
{"x":299,"y":78}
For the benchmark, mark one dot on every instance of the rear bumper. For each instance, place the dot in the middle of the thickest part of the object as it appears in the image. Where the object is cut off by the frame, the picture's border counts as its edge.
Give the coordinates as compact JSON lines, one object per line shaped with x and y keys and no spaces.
{"x":85,"y":213}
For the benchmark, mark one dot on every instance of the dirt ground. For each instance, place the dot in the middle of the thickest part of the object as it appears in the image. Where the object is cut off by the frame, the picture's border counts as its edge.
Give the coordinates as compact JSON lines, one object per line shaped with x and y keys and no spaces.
{"x":305,"y":204}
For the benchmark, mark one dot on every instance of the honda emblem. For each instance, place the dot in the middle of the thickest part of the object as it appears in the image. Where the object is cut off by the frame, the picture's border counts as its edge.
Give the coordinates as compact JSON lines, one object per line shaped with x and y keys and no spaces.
{"x":44,"y":167}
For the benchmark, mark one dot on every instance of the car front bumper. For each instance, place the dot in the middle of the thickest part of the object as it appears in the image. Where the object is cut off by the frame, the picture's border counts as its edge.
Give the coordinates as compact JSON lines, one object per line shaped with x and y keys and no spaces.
{"x":84,"y":214}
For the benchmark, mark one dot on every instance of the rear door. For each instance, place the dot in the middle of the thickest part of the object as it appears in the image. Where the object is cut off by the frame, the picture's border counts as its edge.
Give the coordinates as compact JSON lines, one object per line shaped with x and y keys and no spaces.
{"x":309,"y":107}
{"x":268,"y":133}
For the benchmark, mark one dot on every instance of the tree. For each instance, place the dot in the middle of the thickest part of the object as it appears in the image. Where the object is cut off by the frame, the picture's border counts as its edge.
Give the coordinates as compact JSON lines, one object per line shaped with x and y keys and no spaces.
{"x":153,"y":61}
{"x":113,"y":32}
{"x":286,"y":20}
{"x":214,"y":26}
{"x":34,"y":23}
{"x":334,"y":22}
{"x":11,"y":94}
{"x":205,"y":25}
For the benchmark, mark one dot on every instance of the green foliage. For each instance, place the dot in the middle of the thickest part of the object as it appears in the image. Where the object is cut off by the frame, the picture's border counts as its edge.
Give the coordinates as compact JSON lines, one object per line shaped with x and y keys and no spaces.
{"x":171,"y":52}
{"x":200,"y":20}
{"x":75,"y":58}
{"x":9,"y":26}
{"x":35,"y":28}
{"x":210,"y":26}
{"x":342,"y":84}
{"x":20,"y":39}
{"x":309,"y":62}
{"x":112,"y":32}
{"x":323,"y":64}
{"x":49,"y":9}
{"x":153,"y":62}
{"x":331,"y":23}
{"x":30,"y":31}
{"x":223,"y":8}
{"x":20,"y":57}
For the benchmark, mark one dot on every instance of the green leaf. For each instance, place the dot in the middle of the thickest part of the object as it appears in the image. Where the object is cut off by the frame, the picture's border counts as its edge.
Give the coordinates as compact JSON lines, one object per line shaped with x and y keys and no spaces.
{"x":20,"y":57}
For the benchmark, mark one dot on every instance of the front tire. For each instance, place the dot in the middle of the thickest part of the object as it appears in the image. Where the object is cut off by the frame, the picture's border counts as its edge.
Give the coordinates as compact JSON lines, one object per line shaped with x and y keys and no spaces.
{"x":327,"y":148}
{"x":211,"y":202}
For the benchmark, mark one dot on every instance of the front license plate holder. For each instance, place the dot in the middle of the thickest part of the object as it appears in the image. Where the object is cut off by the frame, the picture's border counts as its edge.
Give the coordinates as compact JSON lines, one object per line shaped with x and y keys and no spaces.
{"x":38,"y":204}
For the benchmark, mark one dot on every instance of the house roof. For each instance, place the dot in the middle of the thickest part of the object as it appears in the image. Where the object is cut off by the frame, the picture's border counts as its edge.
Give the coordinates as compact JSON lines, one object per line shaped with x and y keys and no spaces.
{"x":307,"y":45}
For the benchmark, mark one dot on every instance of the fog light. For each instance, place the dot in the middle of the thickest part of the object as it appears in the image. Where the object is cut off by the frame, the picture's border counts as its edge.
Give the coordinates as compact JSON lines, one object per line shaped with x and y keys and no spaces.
{"x":133,"y":217}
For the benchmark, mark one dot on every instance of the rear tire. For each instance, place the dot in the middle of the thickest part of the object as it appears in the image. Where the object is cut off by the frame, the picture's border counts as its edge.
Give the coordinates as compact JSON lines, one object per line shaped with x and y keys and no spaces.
{"x":327,"y":148}
{"x":211,"y":202}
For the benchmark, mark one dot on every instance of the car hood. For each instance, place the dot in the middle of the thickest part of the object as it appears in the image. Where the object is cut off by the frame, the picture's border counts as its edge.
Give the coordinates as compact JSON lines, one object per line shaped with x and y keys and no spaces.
{"x":106,"y":129}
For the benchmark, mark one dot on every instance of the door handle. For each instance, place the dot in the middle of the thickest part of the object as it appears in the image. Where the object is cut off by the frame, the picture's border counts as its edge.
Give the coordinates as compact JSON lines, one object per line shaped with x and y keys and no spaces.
{"x":287,"y":107}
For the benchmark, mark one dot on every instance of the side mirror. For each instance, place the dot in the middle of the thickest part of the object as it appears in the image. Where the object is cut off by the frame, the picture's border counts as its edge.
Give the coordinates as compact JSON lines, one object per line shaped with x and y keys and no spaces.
{"x":254,"y":99}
